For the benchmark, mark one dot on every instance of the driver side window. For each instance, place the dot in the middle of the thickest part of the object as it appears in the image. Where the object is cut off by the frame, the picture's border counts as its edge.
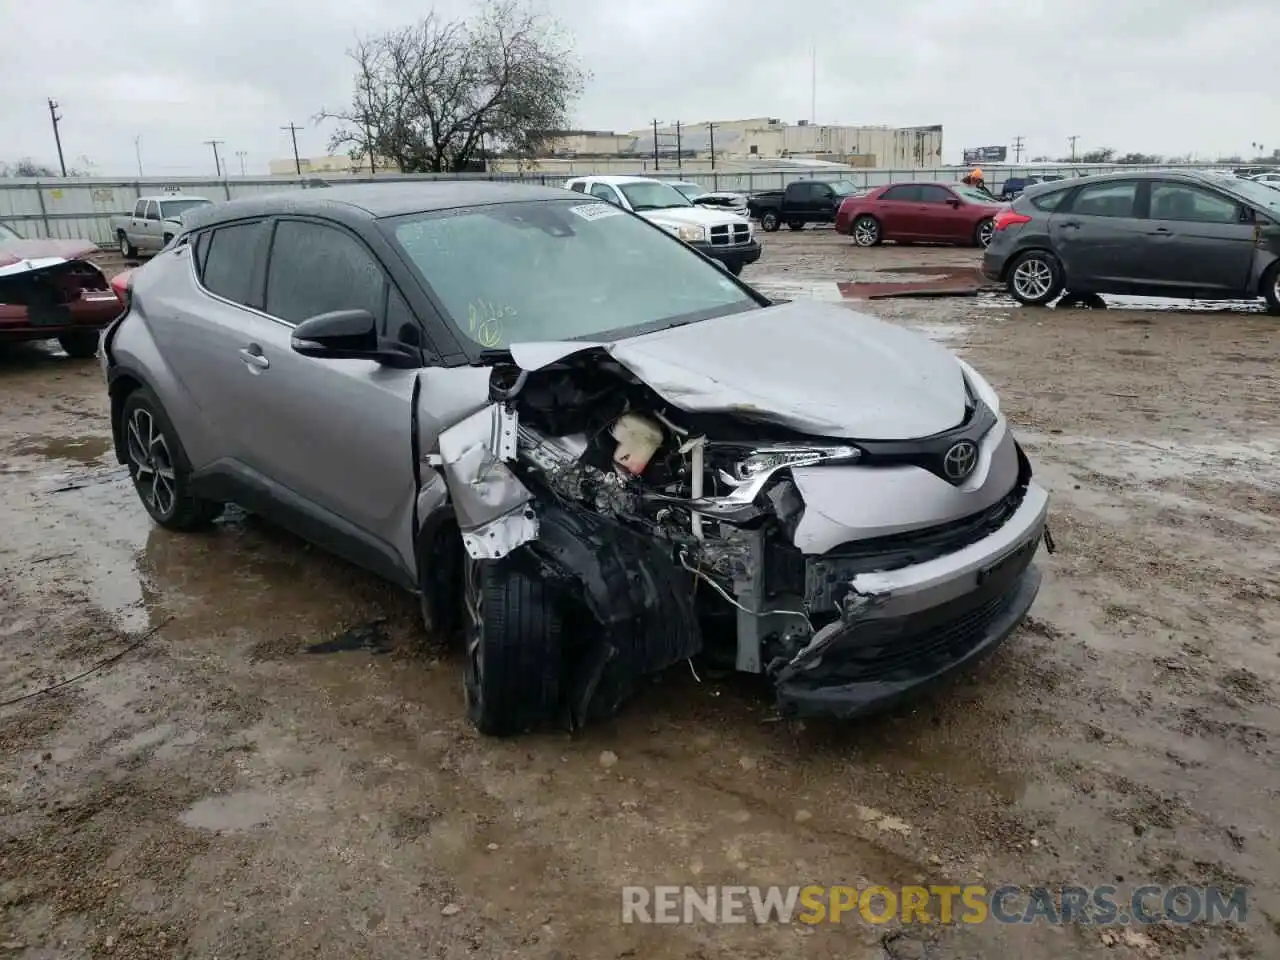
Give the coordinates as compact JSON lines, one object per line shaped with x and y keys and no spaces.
{"x":605,"y":193}
{"x":315,"y":269}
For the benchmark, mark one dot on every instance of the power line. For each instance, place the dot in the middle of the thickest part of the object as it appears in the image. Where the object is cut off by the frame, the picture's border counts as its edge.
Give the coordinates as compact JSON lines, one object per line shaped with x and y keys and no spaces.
{"x":293,"y":129}
{"x":1017,"y":149}
{"x":57,"y":137}
{"x":241,"y":154}
{"x":217,"y":161}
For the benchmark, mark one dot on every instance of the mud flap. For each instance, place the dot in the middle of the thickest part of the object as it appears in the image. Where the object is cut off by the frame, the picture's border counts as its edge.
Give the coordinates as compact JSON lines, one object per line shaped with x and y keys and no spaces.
{"x":490,"y":503}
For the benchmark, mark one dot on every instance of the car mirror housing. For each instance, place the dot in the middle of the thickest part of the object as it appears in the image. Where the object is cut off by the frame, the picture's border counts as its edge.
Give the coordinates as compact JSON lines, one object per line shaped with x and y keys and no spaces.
{"x":350,"y":335}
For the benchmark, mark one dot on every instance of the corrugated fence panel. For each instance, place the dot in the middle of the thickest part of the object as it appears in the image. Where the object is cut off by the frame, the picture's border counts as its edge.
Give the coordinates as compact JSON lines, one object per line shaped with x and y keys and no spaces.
{"x":83,"y":207}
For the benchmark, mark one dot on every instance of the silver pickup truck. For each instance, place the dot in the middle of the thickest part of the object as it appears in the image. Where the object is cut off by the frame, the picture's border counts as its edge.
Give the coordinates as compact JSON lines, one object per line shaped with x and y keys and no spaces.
{"x":153,"y":223}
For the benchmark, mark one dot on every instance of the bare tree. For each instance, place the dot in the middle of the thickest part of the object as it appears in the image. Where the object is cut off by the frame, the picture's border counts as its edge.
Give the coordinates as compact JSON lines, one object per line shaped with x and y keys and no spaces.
{"x":432,"y":97}
{"x":26,"y":167}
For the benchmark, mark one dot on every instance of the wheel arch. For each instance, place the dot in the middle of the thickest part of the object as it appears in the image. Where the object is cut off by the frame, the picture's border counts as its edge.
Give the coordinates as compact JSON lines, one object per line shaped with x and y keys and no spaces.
{"x":120,"y":384}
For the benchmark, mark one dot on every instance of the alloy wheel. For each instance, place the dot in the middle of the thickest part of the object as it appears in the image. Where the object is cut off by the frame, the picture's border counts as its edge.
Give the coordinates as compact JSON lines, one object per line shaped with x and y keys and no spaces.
{"x":124,"y":246}
{"x":151,"y":463}
{"x":865,"y":233}
{"x":985,"y":232}
{"x":1032,"y":278}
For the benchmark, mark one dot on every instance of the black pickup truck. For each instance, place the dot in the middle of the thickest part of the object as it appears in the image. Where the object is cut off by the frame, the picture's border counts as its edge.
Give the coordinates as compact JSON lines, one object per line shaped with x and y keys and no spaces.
{"x":805,"y":201}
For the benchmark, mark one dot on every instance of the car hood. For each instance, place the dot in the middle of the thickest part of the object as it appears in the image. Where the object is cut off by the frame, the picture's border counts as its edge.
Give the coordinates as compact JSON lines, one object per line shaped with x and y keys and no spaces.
{"x":812,"y":367}
{"x":695,"y":215}
{"x":13,"y":251}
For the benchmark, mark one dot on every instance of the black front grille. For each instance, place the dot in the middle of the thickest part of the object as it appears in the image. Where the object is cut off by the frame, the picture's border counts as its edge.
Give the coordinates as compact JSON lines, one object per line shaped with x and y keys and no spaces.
{"x":902,"y":648}
{"x":730,"y":234}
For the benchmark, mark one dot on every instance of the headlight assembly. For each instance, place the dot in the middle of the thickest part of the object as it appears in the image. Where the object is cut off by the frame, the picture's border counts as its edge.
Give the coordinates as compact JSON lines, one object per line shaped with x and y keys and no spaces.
{"x":767,"y":459}
{"x":691,"y":234}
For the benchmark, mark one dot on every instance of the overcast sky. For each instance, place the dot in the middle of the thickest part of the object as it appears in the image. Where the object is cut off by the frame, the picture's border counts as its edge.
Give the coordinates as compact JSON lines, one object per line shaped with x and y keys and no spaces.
{"x":1162,"y":76}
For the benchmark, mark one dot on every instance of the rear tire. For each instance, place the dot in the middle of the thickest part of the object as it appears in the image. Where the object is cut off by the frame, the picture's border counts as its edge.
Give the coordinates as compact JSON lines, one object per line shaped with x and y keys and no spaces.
{"x":769,"y":222}
{"x":127,"y":249}
{"x":736,"y":269}
{"x":866,"y":231}
{"x":168,"y":239}
{"x":159,"y":467}
{"x":796,"y":225}
{"x":983,"y":232}
{"x":80,"y":344}
{"x":513,"y":633}
{"x":1035,"y":278}
{"x":1271,"y":287}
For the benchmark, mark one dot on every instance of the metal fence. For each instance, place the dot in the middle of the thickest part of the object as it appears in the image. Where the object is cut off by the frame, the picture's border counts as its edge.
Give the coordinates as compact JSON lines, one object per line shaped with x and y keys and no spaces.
{"x":82,"y":208}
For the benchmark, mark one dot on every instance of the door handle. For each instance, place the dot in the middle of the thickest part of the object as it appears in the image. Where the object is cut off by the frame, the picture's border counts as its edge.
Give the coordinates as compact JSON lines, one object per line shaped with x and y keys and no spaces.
{"x":254,"y":358}
{"x":1160,"y":232}
{"x":1071,"y":223}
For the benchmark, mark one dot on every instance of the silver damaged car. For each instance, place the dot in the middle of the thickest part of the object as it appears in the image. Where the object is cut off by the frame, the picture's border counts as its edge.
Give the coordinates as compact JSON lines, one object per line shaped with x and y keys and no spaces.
{"x":590,"y":451}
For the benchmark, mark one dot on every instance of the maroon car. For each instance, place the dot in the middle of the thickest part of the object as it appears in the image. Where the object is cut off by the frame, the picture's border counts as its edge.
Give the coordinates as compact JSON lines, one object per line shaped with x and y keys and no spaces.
{"x":926,"y":212}
{"x":50,"y":290}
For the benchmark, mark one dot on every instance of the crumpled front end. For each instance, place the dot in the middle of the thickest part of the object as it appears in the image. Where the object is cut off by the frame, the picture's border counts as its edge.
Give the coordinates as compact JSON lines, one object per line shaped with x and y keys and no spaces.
{"x":847,"y":571}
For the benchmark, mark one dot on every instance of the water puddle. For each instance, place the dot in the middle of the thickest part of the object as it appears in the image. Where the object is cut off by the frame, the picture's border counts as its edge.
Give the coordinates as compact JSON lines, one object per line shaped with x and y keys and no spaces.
{"x":365,"y":636}
{"x":231,"y":812}
{"x":995,"y":300}
{"x":780,"y":288}
{"x":85,"y":450}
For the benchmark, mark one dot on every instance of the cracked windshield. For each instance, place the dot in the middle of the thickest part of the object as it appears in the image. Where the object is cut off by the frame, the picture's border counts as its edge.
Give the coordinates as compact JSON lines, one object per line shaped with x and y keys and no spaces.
{"x":561,"y":271}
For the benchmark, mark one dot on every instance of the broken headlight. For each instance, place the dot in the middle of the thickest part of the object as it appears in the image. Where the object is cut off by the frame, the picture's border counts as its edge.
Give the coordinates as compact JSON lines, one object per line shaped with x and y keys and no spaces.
{"x":767,"y":459}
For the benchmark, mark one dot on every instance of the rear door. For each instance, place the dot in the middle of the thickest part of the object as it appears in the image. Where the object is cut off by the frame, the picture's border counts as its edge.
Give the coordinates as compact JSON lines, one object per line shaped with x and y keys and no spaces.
{"x":899,"y":211}
{"x":335,"y":434}
{"x":1198,"y":240}
{"x":1100,"y":238}
{"x":151,"y":231}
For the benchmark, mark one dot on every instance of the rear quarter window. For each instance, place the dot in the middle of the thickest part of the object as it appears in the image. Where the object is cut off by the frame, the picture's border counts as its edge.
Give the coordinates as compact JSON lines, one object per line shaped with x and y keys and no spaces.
{"x":1049,"y":200}
{"x":232,"y":254}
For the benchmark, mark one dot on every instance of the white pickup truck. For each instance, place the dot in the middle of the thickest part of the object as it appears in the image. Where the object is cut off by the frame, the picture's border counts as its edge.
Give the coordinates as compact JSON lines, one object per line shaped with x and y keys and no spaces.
{"x":718,"y":234}
{"x":152,"y":224}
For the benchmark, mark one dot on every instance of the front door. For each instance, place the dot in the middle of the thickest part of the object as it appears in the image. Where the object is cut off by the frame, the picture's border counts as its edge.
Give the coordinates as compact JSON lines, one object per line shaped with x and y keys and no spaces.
{"x":336,"y":434}
{"x":1198,"y":240}
{"x":1100,"y":238}
{"x":942,"y":214}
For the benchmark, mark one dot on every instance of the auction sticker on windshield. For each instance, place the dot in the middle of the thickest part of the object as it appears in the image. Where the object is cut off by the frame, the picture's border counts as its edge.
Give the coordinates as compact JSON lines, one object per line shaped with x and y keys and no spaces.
{"x":594,"y":211}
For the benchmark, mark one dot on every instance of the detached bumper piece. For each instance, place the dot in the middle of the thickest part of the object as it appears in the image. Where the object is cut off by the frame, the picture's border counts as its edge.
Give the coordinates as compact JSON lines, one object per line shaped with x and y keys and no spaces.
{"x":871,"y":664}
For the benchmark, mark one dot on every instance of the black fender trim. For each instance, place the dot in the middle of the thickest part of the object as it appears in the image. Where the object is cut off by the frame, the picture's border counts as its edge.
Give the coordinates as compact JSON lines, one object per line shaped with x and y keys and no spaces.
{"x":638,"y":597}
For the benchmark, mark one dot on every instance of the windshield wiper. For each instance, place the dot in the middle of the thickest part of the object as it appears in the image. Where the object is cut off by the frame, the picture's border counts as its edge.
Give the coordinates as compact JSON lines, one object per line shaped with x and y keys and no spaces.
{"x":491,"y":355}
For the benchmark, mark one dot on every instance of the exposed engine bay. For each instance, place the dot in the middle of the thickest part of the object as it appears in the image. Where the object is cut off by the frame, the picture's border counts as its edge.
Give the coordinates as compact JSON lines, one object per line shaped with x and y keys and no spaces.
{"x":677,"y":529}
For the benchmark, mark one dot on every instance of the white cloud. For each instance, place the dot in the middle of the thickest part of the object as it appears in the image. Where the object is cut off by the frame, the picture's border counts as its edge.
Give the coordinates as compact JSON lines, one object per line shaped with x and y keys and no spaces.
{"x":1167,"y":77}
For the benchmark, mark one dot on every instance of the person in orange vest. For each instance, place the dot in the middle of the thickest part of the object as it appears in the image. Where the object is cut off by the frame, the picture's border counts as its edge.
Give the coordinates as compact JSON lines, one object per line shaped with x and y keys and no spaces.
{"x":975,"y":180}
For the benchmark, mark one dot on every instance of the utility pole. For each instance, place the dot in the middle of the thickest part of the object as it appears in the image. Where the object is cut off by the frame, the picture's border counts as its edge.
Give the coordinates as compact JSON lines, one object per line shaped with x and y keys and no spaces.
{"x":293,"y":129}
{"x":57,"y":137}
{"x":711,"y":130}
{"x":241,"y":154}
{"x":137,"y":149}
{"x":1017,"y":149}
{"x":217,"y":162}
{"x":679,"y":150}
{"x":655,"y":146}
{"x":813,"y":81}
{"x":1073,"y":148}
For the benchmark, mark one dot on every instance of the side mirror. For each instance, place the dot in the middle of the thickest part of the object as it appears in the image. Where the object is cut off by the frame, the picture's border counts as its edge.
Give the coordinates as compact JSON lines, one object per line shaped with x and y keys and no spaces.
{"x":349,"y":335}
{"x":955,"y":202}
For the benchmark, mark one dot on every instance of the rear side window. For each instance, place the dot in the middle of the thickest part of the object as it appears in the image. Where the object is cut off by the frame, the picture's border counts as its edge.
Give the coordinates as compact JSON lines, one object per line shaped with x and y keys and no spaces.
{"x":906,"y":192}
{"x":231,"y":254}
{"x":1048,"y":200}
{"x":579,"y":187}
{"x":1107,"y":199}
{"x":316,"y":269}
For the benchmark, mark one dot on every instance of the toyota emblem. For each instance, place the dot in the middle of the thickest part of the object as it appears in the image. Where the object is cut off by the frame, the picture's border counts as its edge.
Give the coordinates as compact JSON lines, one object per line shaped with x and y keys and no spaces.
{"x":959,"y":461}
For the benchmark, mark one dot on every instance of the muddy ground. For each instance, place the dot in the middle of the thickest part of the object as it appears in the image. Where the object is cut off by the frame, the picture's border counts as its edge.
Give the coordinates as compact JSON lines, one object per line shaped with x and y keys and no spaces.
{"x":228,"y":789}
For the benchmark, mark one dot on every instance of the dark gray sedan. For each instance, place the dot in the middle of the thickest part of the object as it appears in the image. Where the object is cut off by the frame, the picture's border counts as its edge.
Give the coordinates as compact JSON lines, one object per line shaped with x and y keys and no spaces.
{"x":1161,"y":233}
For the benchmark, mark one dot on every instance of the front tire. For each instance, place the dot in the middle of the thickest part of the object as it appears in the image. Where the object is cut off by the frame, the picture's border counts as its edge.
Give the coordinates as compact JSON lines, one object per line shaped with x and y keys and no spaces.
{"x":1035,"y":278}
{"x":983,"y":232}
{"x":866,"y":231}
{"x":511,"y":676}
{"x":769,"y":222}
{"x":159,"y":467}
{"x":80,"y":344}
{"x":127,"y":249}
{"x":1271,"y":287}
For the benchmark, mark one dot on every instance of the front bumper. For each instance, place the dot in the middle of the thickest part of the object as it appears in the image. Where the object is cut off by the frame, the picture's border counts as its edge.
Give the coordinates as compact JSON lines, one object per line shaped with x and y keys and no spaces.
{"x":905,"y":629}
{"x":738,"y":255}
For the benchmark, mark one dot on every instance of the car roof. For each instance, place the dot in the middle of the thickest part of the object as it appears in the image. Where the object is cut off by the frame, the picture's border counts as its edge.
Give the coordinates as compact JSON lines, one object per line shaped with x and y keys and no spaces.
{"x":174,"y":196}
{"x":610,"y":178}
{"x":372,"y":201}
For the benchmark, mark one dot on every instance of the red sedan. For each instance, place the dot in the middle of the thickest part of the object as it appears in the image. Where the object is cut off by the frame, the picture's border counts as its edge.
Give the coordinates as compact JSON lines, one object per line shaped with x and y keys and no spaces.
{"x":927,"y":212}
{"x":49,"y":290}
